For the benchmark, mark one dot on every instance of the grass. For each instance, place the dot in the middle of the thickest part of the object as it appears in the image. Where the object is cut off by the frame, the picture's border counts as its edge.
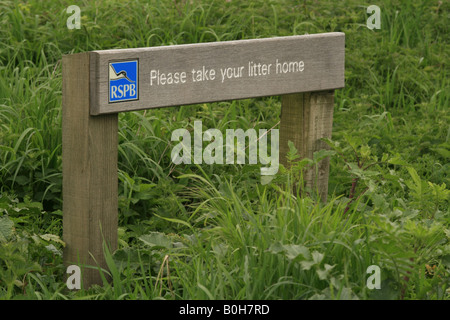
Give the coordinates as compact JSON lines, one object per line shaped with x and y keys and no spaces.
{"x":214,"y":232}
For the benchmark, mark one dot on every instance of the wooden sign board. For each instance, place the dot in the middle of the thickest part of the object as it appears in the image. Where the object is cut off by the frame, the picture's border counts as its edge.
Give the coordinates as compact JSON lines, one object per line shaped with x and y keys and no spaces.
{"x":206,"y":72}
{"x":97,"y":85}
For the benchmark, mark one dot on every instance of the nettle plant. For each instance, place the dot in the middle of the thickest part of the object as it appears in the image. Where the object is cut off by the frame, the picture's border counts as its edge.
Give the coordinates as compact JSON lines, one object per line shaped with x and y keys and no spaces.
{"x":359,"y":162}
{"x":407,"y":232}
{"x":365,"y":168}
{"x":374,"y":176}
{"x":293,"y":176}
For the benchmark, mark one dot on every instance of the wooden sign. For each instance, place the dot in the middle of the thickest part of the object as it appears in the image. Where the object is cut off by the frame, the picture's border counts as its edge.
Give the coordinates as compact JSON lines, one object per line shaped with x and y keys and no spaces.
{"x":97,"y":85}
{"x":133,"y":79}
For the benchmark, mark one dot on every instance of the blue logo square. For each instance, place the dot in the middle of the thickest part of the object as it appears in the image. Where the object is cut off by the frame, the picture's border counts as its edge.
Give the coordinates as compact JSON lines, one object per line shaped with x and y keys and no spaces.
{"x":123,"y":81}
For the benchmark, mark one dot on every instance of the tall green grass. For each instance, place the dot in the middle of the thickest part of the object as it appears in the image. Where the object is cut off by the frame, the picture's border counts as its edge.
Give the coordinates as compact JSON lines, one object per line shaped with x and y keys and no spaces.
{"x":270,"y":244}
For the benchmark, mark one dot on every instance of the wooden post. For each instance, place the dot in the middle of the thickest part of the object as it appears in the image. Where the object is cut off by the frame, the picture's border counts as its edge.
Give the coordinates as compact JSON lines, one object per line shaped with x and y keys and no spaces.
{"x":90,"y":180}
{"x":305,"y":119}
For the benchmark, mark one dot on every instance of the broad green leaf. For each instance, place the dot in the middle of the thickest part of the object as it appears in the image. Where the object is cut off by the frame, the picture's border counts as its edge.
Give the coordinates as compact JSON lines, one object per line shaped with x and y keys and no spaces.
{"x":52,"y":237}
{"x":292,"y":251}
{"x":6,"y":228}
{"x":354,"y":169}
{"x":156,"y":240}
{"x":317,"y":256}
{"x":323,"y":273}
{"x":322,"y":154}
{"x":276,"y":247}
{"x":306,"y":265}
{"x":53,"y":249}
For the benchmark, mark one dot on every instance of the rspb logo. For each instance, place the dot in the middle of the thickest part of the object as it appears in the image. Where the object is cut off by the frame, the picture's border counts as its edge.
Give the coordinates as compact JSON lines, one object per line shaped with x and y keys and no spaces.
{"x":123,"y":81}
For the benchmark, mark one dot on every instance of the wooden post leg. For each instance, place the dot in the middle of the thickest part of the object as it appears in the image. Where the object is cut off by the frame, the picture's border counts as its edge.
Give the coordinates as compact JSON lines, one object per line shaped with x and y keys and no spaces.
{"x":90,"y":179}
{"x":305,"y":119}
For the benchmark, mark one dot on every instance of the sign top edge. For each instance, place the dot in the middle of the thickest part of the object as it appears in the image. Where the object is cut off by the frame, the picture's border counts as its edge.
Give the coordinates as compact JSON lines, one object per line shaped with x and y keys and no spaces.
{"x":221,"y":43}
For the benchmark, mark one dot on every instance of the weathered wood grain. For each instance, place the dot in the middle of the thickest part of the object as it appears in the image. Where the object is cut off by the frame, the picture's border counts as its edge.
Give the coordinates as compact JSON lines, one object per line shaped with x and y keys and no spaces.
{"x":90,"y":180}
{"x":321,"y":57}
{"x":306,"y":118}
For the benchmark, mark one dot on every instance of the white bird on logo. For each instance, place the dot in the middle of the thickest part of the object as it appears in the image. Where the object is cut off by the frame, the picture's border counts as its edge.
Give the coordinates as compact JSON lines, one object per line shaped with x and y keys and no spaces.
{"x":113,"y":75}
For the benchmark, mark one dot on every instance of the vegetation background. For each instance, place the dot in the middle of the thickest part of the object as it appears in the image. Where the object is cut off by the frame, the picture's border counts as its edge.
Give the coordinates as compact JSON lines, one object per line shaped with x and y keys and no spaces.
{"x":215,"y":232}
